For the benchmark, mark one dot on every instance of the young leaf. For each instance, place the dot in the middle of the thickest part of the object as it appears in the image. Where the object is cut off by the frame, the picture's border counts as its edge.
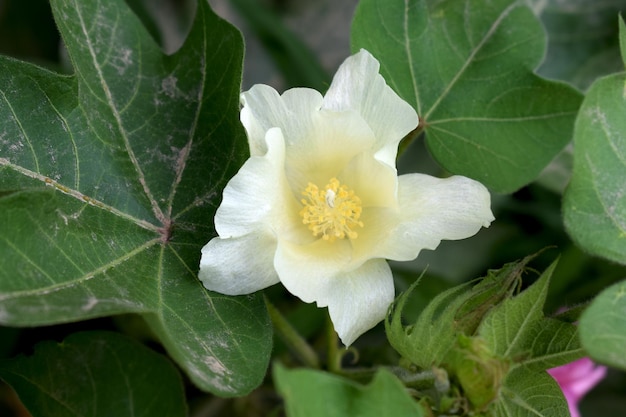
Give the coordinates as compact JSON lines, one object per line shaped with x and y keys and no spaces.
{"x":458,"y":310}
{"x":426,"y":342}
{"x":467,"y":67}
{"x":314,"y":393}
{"x":603,"y":327}
{"x":94,"y":374}
{"x":109,"y":180}
{"x":595,"y":203}
{"x":517,"y":329}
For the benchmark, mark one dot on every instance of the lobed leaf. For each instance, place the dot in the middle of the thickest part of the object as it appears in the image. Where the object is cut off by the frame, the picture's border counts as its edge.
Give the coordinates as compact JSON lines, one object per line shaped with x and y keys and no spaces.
{"x":467,"y":68}
{"x":93,"y":374}
{"x":109,"y":181}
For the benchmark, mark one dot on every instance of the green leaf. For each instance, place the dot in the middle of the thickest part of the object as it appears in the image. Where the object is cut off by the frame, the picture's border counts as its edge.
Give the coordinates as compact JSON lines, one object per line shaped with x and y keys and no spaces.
{"x":582,"y":39}
{"x":467,"y":67}
{"x":527,"y":394}
{"x":517,"y":329}
{"x":427,"y":341}
{"x":309,"y":393}
{"x":112,"y":178}
{"x":603,"y":327}
{"x":458,"y":310}
{"x":94,"y":374}
{"x":594,"y":204}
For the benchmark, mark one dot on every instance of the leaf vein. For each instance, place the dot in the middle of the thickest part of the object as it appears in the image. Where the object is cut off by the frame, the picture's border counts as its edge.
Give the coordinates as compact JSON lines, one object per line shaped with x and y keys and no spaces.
{"x":471,"y":57}
{"x":82,"y":279}
{"x":120,"y":125}
{"x":77,"y":195}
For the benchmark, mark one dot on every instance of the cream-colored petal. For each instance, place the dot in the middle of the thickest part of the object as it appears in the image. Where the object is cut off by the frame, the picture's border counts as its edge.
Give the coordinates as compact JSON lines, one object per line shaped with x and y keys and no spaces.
{"x":359,"y":299}
{"x":307,"y":270}
{"x":319,"y":143}
{"x":239,"y":265}
{"x":430,"y":210}
{"x":293,"y":112}
{"x":357,"y":85}
{"x":374,"y":182}
{"x":254,"y":131}
{"x":377,"y":238}
{"x":258,"y":195}
{"x":335,"y":140}
{"x":323,"y":272}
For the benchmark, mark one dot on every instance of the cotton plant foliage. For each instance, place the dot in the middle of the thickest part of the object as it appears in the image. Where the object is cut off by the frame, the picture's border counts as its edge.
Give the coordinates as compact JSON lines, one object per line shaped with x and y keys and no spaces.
{"x":142,"y":192}
{"x":319,"y":205}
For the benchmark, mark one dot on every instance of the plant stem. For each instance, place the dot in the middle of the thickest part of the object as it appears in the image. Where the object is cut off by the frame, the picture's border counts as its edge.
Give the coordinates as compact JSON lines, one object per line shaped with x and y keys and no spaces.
{"x":295,"y":343}
{"x":334,"y":356}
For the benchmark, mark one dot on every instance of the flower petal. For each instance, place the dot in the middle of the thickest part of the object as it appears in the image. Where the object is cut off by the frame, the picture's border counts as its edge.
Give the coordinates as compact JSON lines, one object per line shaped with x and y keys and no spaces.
{"x":357,"y":85}
{"x":318,"y":142}
{"x":357,"y":298}
{"x":306,"y":270}
{"x":240,"y":265}
{"x":336,"y":139}
{"x":430,"y":210}
{"x":258,"y":195}
{"x":263,"y":109}
{"x":374,"y":182}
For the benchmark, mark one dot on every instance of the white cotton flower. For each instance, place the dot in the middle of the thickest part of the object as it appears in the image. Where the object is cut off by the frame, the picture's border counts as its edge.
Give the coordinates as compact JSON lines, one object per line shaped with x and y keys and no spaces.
{"x":319,"y":205}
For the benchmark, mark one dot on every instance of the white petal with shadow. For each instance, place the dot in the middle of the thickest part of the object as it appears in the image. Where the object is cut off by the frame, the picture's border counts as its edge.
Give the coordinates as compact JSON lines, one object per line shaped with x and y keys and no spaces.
{"x":357,"y":85}
{"x":430,"y":210}
{"x":359,"y":299}
{"x":258,"y":195}
{"x":240,"y":265}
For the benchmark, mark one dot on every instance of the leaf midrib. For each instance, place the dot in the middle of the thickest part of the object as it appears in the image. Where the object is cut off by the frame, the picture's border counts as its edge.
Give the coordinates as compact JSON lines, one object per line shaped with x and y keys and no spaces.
{"x":85,"y":277}
{"x":470,"y":58}
{"x":120,"y":125}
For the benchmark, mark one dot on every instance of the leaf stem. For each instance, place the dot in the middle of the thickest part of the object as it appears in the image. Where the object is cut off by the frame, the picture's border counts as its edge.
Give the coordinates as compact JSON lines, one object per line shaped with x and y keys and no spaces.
{"x":294,"y":341}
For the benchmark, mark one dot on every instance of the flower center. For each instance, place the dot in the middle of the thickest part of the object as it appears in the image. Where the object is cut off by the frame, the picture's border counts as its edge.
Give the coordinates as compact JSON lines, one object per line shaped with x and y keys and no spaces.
{"x":332,"y":212}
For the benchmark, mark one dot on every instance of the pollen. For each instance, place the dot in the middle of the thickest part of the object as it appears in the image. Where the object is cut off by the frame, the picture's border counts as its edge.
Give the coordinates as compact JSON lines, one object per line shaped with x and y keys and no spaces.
{"x":332,"y":213}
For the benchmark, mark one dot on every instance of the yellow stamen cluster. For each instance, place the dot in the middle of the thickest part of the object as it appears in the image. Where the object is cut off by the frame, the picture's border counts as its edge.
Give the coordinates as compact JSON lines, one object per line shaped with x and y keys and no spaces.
{"x":332,"y":212}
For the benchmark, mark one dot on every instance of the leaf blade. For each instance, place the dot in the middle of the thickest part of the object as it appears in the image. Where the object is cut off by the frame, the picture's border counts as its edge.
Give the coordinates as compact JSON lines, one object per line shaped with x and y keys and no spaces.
{"x":122,"y":166}
{"x":384,"y":396}
{"x":96,"y":374}
{"x":594,"y":205}
{"x":467,"y":67}
{"x":602,"y":326}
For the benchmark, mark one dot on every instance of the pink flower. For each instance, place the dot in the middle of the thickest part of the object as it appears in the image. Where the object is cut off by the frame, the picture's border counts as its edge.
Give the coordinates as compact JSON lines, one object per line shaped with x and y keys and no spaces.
{"x":576,"y":379}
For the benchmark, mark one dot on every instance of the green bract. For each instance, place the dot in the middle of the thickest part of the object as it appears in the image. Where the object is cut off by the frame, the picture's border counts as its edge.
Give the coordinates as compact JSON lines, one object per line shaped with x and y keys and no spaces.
{"x":495,"y":359}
